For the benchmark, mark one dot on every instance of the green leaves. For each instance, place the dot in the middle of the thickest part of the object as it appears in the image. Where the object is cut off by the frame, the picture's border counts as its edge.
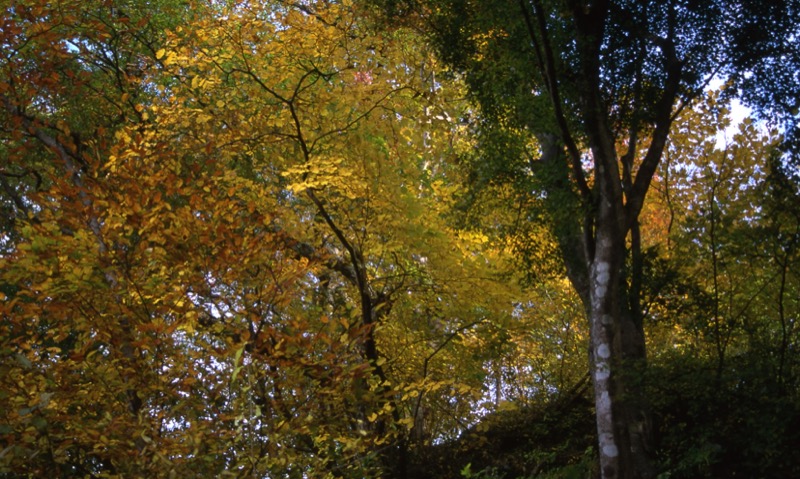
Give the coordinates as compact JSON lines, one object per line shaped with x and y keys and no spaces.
{"x":242,"y":241}
{"x":233,"y":273}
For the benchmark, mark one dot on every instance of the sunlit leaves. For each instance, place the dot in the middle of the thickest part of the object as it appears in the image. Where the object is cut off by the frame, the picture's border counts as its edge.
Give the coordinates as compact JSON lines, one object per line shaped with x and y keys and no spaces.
{"x":712,"y":215}
{"x":251,"y":268}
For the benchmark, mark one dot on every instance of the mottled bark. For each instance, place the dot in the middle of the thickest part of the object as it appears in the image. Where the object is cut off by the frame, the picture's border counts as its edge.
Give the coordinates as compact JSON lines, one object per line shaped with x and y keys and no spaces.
{"x":595,"y":252}
{"x":617,"y":355}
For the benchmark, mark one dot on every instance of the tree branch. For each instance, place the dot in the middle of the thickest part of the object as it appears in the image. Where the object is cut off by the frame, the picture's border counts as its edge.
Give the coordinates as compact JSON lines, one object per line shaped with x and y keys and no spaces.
{"x":545,"y":57}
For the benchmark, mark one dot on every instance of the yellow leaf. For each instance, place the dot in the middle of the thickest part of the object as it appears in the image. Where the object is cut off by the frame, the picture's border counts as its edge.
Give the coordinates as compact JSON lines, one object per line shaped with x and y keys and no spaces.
{"x":187,"y":327}
{"x":170,"y":58}
{"x":160,"y":54}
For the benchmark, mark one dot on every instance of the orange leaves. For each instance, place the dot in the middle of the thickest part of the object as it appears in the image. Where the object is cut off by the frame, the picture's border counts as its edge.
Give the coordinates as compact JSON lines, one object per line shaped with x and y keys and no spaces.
{"x":183,"y":281}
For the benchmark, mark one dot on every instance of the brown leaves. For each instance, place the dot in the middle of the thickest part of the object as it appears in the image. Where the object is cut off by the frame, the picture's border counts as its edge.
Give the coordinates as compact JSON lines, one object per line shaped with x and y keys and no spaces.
{"x":175,"y":303}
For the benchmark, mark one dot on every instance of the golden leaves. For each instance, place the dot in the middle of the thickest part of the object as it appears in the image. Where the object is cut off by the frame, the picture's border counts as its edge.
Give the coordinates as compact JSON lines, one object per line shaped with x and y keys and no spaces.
{"x":214,"y":293}
{"x":331,"y":174}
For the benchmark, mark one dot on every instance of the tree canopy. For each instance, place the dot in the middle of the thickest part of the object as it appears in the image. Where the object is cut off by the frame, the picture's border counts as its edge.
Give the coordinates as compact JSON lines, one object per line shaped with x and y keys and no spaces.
{"x":345,"y":239}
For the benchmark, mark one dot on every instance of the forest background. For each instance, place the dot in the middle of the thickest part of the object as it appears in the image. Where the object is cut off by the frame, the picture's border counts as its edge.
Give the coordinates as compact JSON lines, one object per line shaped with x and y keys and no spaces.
{"x":377,"y":239}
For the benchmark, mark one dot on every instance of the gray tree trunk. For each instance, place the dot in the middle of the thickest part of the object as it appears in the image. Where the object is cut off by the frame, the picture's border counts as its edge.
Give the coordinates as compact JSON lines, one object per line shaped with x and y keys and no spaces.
{"x":617,"y":357}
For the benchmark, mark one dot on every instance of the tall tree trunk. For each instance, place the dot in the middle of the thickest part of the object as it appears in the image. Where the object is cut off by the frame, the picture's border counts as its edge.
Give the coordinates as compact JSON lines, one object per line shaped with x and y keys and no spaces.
{"x":595,"y":255}
{"x":617,"y":356}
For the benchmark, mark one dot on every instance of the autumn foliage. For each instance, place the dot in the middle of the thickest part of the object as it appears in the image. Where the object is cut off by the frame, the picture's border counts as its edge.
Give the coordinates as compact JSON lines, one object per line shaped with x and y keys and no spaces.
{"x":238,"y":261}
{"x":239,"y":240}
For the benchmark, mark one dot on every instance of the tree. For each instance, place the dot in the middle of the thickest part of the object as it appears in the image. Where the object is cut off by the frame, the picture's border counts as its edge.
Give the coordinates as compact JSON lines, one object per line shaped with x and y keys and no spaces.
{"x":716,"y":210}
{"x":582,"y":96}
{"x":720,"y":298}
{"x":330,"y":117}
{"x":71,"y":78}
{"x":271,"y":238}
{"x":247,"y":267}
